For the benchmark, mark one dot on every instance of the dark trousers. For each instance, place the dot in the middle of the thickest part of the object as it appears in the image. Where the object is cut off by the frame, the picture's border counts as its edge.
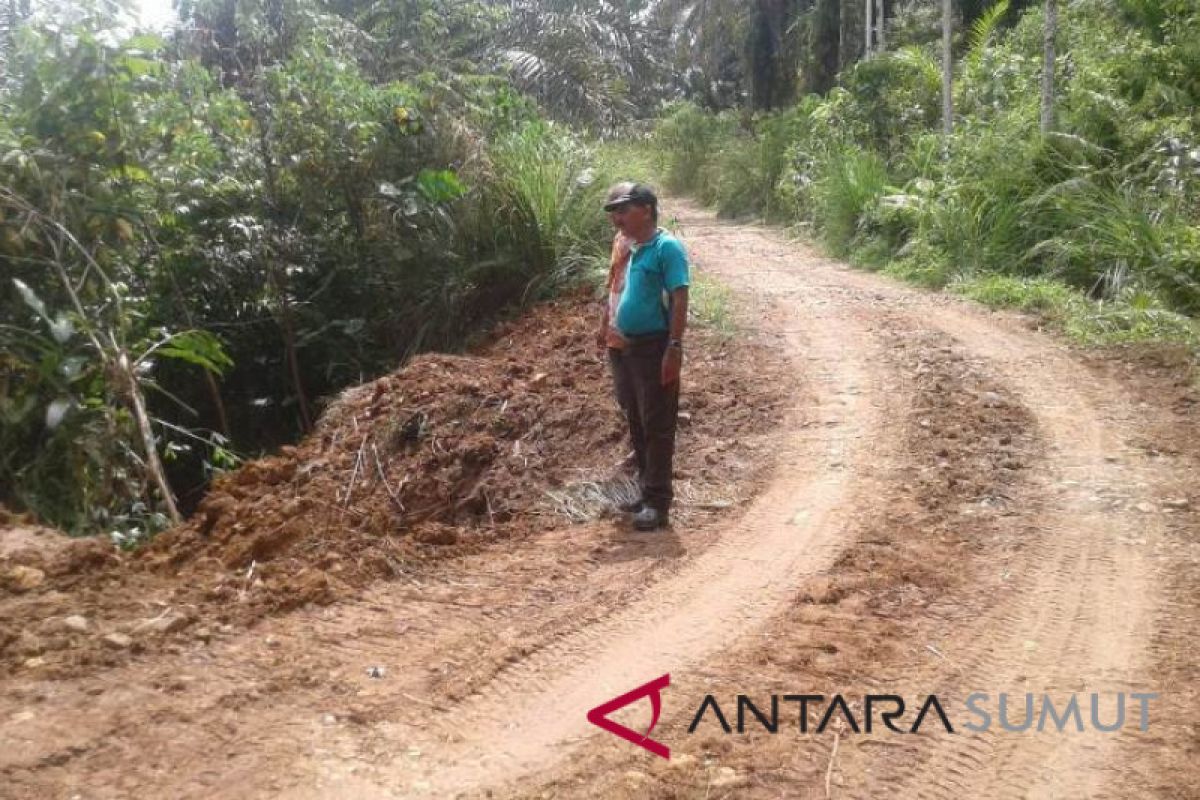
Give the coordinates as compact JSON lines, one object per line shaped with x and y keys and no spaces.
{"x":651,"y":410}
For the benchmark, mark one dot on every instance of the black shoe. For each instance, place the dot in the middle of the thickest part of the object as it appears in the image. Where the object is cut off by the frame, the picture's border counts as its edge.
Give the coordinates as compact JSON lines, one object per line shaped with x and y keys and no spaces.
{"x":650,"y":518}
{"x":632,"y":507}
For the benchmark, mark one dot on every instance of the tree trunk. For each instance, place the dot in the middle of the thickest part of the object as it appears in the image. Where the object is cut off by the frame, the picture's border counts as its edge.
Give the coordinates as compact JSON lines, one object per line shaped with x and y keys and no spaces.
{"x":153,"y":464}
{"x":880,"y":20}
{"x":763,"y":52}
{"x":771,"y":58}
{"x":867,"y":22}
{"x":289,"y":343}
{"x":842,"y":47}
{"x":214,"y":394}
{"x":947,"y":71}
{"x":114,"y":359}
{"x":1049,"y":32}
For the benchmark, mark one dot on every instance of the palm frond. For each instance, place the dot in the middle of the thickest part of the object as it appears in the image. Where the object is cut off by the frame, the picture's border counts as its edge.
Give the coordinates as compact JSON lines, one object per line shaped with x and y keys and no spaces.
{"x":983,"y":28}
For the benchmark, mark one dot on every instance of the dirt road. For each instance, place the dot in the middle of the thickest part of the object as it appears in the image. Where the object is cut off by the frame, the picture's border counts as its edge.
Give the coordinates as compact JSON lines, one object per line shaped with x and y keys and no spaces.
{"x":958,"y":504}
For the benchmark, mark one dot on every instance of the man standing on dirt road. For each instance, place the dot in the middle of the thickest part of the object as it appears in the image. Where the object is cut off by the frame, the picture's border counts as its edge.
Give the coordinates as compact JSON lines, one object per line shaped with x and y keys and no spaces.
{"x":643,"y":326}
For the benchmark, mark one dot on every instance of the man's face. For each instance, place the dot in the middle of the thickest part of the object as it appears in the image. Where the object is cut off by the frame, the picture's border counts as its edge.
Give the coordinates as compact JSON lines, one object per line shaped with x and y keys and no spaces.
{"x":630,"y":218}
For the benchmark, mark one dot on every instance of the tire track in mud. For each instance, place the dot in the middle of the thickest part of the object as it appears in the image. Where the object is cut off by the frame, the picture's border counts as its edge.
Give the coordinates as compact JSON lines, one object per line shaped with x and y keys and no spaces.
{"x":1081,"y":614}
{"x":1079,"y":620}
{"x":829,"y":452}
{"x":1075,"y":618}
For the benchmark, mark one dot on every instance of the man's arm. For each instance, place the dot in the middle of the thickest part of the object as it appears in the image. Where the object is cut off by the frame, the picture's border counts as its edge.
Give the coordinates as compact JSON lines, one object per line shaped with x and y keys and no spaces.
{"x":676,"y":277}
{"x":673,"y":358}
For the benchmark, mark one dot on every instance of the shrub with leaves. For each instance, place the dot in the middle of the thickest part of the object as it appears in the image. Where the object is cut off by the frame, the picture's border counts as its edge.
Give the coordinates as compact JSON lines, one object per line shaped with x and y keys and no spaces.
{"x":210,"y":235}
{"x":1106,"y":203}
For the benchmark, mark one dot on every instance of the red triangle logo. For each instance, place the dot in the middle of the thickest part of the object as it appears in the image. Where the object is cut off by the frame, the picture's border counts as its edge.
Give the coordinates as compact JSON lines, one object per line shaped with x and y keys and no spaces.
{"x":598,"y":716}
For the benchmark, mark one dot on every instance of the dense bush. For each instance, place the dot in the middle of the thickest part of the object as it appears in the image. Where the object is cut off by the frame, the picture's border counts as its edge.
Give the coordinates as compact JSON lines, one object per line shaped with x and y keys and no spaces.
{"x":692,"y":142}
{"x":193,"y":260}
{"x":1107,"y":203}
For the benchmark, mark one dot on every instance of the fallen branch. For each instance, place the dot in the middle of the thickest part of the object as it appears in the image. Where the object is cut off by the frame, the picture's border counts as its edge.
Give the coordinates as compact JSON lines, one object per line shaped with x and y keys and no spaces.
{"x":392,"y":494}
{"x":112,"y":357}
{"x":943,"y":657}
{"x":829,"y":769}
{"x":358,"y":459}
{"x":408,"y":696}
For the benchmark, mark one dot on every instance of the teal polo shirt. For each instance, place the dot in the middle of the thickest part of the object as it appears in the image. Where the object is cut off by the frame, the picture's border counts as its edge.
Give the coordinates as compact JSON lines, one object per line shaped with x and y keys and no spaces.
{"x":656,"y":268}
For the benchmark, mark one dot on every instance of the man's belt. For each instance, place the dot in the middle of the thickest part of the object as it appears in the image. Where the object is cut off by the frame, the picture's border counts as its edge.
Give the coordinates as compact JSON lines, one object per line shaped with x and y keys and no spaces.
{"x":645,"y":342}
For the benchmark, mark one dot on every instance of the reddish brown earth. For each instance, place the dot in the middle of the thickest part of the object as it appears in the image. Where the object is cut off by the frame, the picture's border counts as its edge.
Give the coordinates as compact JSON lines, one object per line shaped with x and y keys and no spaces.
{"x":883,"y":492}
{"x":446,"y":457}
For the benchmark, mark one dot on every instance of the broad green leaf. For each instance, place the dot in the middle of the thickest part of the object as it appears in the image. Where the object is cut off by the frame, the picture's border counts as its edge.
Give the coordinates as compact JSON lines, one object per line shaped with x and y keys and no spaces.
{"x":200,"y":348}
{"x":440,"y":186}
{"x":145,"y":43}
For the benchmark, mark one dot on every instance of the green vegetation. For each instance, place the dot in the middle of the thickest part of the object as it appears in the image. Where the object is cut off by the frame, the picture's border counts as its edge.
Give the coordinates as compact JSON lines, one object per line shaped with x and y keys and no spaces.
{"x":1136,"y":318}
{"x":195,"y":252}
{"x":1093,"y":223}
{"x":206,"y":233}
{"x":710,"y":304}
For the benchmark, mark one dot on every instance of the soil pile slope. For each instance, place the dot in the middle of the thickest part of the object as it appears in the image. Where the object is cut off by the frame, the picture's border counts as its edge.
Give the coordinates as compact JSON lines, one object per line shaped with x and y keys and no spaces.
{"x":445,"y":456}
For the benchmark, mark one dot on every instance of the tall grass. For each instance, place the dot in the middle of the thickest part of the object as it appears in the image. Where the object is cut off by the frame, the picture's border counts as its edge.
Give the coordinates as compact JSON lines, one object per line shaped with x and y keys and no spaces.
{"x":1094,"y":223}
{"x":548,"y":193}
{"x":848,"y":183}
{"x":630,"y":157}
{"x":1108,"y":239}
{"x":532,"y":226}
{"x":690,"y":142}
{"x":710,"y":304}
{"x":1138,"y":317}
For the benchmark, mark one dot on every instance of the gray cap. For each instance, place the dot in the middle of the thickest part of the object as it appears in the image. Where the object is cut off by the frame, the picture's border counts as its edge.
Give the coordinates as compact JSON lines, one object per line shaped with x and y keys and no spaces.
{"x":638,"y":194}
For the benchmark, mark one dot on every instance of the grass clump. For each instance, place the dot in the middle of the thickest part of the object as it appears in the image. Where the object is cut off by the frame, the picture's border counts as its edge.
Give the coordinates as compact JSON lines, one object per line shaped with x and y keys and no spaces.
{"x":710,"y":304}
{"x":1139,"y":317}
{"x":922,"y":265}
{"x":1041,"y":295}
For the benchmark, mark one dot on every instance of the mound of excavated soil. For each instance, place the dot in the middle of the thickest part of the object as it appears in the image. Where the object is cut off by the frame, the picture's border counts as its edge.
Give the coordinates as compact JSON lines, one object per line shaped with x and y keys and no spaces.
{"x":442,"y":457}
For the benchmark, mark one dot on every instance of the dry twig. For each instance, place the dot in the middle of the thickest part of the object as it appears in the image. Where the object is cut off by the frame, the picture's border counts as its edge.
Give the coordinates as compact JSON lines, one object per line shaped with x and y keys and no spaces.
{"x":358,"y":460}
{"x":392,"y":494}
{"x":829,"y":769}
